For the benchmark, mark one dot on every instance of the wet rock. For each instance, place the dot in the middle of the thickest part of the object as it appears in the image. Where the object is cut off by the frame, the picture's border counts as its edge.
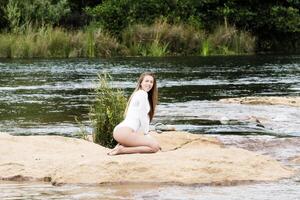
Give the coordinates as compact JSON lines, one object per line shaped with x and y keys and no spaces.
{"x":296,"y":159}
{"x":289,"y":101}
{"x":282,"y":149}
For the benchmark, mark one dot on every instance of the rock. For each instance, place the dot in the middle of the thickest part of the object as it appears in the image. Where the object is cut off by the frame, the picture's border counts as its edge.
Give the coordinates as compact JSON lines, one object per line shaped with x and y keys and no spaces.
{"x":159,"y":128}
{"x":295,"y":159}
{"x":185,"y":159}
{"x":289,"y":101}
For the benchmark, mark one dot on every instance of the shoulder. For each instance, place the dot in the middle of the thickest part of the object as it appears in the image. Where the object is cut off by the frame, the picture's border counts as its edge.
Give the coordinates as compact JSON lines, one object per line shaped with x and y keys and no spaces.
{"x":141,"y":94}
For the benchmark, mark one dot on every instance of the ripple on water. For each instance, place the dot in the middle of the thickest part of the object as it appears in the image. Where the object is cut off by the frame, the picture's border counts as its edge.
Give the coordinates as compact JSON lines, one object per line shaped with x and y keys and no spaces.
{"x":232,"y":118}
{"x":285,"y":189}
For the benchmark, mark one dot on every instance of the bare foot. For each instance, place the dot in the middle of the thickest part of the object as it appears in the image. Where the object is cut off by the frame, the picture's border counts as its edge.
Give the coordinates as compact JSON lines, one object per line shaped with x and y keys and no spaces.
{"x":116,"y":146}
{"x":115,"y":151}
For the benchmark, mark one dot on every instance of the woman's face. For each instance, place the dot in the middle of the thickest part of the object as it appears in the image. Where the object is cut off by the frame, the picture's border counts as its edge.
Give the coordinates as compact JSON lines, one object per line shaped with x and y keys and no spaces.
{"x":147,"y":83}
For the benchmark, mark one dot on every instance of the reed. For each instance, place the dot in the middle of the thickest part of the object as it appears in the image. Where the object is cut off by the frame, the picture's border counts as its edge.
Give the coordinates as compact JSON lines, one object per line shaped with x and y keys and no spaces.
{"x":108,"y":46}
{"x":156,"y":49}
{"x":5,"y":46}
{"x":162,"y":39}
{"x":78,"y":45}
{"x":59,"y":43}
{"x":158,"y":39}
{"x":48,"y":42}
{"x":228,"y":41}
{"x":90,"y":44}
{"x":205,"y":48}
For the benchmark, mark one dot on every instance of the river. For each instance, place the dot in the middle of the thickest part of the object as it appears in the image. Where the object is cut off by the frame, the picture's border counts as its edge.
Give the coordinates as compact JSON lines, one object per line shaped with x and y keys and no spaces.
{"x":42,"y":97}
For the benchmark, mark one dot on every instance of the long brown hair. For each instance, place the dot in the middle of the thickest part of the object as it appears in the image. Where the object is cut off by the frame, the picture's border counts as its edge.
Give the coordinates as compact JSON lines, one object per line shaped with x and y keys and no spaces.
{"x":152,"y":94}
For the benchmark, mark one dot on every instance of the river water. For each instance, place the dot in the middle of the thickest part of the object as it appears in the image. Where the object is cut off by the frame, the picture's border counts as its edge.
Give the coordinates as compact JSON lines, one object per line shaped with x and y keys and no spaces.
{"x":44,"y":96}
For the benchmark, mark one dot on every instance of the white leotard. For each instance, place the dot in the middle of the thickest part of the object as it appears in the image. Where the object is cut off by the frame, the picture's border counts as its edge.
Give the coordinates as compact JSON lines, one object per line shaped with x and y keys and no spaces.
{"x":137,"y":117}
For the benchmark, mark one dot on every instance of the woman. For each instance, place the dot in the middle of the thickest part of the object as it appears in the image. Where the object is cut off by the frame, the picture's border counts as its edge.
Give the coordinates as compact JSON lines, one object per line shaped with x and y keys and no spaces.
{"x":132,"y":133}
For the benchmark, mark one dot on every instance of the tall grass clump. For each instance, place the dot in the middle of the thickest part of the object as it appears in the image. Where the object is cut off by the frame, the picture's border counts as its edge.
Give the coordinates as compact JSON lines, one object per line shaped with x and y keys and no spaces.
{"x":39,"y":41}
{"x":21,"y":48}
{"x":156,"y":49}
{"x":161,"y":38}
{"x":36,"y":43}
{"x":145,"y":40}
{"x":107,"y":45}
{"x":106,"y":112}
{"x":228,"y":40}
{"x":5,"y":46}
{"x":14,"y":45}
{"x":78,"y":47}
{"x":94,"y":42}
{"x":205,"y":48}
{"x":49,"y":42}
{"x":90,"y":43}
{"x":59,"y":42}
{"x":183,"y":39}
{"x":24,"y":44}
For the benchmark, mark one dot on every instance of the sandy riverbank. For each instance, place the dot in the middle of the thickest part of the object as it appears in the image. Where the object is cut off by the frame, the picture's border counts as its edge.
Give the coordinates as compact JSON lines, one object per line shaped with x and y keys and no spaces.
{"x":186,"y":159}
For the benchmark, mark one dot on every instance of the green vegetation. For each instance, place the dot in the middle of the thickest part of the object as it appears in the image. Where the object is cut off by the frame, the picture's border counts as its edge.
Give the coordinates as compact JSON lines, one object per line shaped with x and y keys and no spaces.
{"x":275,"y":24}
{"x":58,"y":43}
{"x":64,"y":28}
{"x":229,"y":41}
{"x":20,"y":14}
{"x":106,"y":112}
{"x":162,"y":38}
{"x":158,"y":39}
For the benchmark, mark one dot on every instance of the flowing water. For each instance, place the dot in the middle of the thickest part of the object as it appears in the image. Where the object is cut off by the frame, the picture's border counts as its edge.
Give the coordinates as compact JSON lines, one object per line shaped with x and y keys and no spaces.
{"x":44,"y":96}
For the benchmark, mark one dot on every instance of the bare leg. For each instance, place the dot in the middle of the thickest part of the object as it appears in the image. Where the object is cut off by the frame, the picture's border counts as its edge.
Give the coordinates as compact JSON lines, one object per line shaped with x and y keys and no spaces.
{"x":130,"y":150}
{"x":132,"y":142}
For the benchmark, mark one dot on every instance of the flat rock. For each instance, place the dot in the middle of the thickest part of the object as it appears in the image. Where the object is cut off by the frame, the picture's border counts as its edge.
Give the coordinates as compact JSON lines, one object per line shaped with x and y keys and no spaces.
{"x":289,"y":101}
{"x":185,"y":159}
{"x":296,"y":159}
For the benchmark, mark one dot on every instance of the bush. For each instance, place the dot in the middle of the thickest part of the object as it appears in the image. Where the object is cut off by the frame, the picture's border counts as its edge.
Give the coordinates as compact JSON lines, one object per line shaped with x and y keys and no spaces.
{"x":106,"y":112}
{"x":20,"y":14}
{"x":111,"y":15}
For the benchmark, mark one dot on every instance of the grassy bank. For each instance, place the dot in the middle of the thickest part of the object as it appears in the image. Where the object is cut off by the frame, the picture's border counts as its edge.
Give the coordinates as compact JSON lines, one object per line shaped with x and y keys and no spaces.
{"x":158,"y":39}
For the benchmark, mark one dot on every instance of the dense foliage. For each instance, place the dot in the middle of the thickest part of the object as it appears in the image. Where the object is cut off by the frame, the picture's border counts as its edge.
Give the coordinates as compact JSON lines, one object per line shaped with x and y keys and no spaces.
{"x":275,"y":23}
